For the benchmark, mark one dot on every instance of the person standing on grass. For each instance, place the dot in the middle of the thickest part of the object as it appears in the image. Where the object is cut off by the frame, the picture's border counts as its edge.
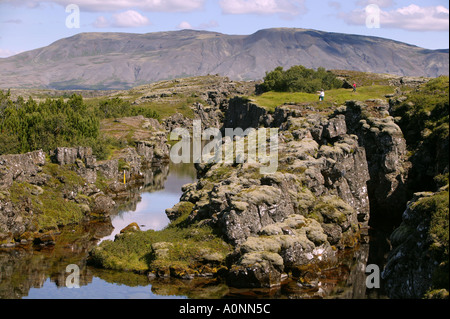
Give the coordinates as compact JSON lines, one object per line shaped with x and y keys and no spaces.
{"x":321,"y":95}
{"x":354,"y":87}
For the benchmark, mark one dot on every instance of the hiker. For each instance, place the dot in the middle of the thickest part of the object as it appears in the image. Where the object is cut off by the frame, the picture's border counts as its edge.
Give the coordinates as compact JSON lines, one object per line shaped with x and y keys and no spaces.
{"x":354,"y":87}
{"x":321,"y":95}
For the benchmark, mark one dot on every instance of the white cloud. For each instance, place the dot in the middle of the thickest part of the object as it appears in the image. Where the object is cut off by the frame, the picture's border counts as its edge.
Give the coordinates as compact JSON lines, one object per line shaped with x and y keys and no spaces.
{"x":284,"y":7}
{"x":202,"y":26}
{"x":129,"y":19}
{"x":412,"y":17}
{"x":4,"y":53}
{"x":117,"y":5}
{"x":184,"y":25}
{"x":126,"y":19}
{"x":101,"y":22}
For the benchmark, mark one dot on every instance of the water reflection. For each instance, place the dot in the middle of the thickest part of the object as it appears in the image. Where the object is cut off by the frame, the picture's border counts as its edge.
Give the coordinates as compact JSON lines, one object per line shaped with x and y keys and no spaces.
{"x":27,"y":272}
{"x":31,"y":273}
{"x":153,"y":199}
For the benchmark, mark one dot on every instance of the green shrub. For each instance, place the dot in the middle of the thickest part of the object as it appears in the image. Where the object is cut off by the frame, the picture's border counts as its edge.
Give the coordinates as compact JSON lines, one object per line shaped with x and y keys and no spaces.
{"x":299,"y":79}
{"x":28,"y":126}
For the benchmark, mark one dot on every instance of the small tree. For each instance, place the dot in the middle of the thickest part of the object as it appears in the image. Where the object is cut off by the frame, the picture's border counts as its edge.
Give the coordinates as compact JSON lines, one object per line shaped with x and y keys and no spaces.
{"x":298,"y":79}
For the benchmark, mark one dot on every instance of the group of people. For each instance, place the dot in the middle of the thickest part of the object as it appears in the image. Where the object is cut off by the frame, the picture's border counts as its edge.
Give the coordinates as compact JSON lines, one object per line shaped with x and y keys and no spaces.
{"x":322,"y":92}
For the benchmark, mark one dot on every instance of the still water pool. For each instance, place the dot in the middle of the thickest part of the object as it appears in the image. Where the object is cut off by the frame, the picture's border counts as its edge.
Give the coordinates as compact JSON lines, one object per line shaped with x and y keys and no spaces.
{"x":41,"y":273}
{"x":30,"y":274}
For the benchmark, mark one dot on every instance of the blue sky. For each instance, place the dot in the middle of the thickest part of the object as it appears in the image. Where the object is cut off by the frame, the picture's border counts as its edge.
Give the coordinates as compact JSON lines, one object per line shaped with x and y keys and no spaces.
{"x":30,"y":24}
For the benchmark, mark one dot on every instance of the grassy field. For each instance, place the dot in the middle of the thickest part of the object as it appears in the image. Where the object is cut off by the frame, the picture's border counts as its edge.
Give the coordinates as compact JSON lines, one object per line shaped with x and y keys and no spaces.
{"x":270,"y":100}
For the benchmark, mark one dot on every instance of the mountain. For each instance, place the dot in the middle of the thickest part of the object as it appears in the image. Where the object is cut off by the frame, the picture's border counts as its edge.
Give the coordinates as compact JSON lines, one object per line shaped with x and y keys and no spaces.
{"x":124,"y":60}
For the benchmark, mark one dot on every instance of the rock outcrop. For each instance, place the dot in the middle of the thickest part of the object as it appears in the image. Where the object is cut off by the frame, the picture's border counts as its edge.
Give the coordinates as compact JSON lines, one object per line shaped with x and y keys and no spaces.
{"x":314,"y":205}
{"x":21,"y":167}
{"x":385,"y":147}
{"x":244,"y":114}
{"x":38,"y":196}
{"x":418,"y":260}
{"x":317,"y":202}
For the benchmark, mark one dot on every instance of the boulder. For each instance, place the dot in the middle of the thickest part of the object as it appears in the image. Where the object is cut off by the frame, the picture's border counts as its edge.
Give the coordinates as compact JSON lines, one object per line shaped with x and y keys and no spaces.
{"x":21,"y":167}
{"x":69,"y":155}
{"x":133,"y":227}
{"x":108,"y":168}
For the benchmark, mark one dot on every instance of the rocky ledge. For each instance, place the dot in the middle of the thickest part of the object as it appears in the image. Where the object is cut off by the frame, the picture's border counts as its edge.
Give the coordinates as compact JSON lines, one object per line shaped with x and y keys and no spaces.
{"x":41,"y":193}
{"x":317,"y":202}
{"x":258,"y":229}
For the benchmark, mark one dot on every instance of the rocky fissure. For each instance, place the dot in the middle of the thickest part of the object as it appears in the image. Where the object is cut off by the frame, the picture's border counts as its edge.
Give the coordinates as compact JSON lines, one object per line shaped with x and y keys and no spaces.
{"x":319,"y":200}
{"x":33,"y":185}
{"x":342,"y":172}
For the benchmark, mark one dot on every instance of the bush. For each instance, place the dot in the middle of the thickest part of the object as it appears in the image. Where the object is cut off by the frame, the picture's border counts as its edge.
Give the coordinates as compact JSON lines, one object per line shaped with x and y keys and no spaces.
{"x":116,"y":107}
{"x":299,"y":79}
{"x":27,"y":125}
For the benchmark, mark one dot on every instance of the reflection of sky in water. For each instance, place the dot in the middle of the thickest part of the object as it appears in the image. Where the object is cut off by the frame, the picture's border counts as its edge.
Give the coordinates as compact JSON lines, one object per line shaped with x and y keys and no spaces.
{"x":97,"y":289}
{"x":150,"y":212}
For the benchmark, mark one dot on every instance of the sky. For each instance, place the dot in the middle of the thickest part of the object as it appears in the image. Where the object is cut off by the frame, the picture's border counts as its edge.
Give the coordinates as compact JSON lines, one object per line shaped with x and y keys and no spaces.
{"x":31,"y":24}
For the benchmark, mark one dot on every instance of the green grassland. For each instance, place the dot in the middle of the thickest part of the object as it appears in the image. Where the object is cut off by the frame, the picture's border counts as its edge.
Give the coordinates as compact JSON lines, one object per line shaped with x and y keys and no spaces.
{"x":335,"y":97}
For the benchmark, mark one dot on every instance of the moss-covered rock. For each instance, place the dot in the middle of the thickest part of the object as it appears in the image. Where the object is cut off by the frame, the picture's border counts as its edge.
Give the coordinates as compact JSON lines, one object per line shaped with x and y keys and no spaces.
{"x":419,"y":261}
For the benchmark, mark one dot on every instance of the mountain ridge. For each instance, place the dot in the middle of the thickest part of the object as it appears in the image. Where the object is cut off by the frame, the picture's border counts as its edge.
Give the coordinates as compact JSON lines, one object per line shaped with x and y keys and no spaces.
{"x":119,"y":60}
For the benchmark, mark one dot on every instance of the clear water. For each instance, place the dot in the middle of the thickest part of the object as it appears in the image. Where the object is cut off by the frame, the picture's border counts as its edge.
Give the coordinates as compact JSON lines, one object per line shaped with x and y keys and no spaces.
{"x":150,"y":211}
{"x":97,"y":289}
{"x":41,"y":274}
{"x":31,"y":274}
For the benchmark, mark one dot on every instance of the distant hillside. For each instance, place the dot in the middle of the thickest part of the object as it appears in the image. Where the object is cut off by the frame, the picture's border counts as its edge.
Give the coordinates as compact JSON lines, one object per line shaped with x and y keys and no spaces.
{"x":124,"y":60}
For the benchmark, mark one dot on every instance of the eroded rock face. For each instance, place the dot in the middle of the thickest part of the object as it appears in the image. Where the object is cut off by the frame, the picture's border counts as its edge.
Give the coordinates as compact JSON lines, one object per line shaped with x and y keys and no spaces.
{"x":316,"y":203}
{"x":21,"y":167}
{"x":40,"y":186}
{"x":155,"y":151}
{"x":16,"y":219}
{"x":69,"y":155}
{"x":417,"y":261}
{"x":318,"y":200}
{"x":244,"y":114}
{"x":385,"y":149}
{"x":108,"y":168}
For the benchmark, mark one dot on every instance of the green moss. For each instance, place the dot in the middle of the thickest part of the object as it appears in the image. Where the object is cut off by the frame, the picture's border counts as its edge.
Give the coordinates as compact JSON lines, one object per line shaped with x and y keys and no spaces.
{"x":63,"y":177}
{"x":330,"y":210}
{"x":56,"y":211}
{"x":437,"y":210}
{"x":48,"y":205}
{"x":425,"y":109}
{"x":123,"y":165}
{"x":441,"y":180}
{"x":19,"y":192}
{"x":218,"y":173}
{"x":101,"y":182}
{"x":184,"y":210}
{"x":134,"y":252}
